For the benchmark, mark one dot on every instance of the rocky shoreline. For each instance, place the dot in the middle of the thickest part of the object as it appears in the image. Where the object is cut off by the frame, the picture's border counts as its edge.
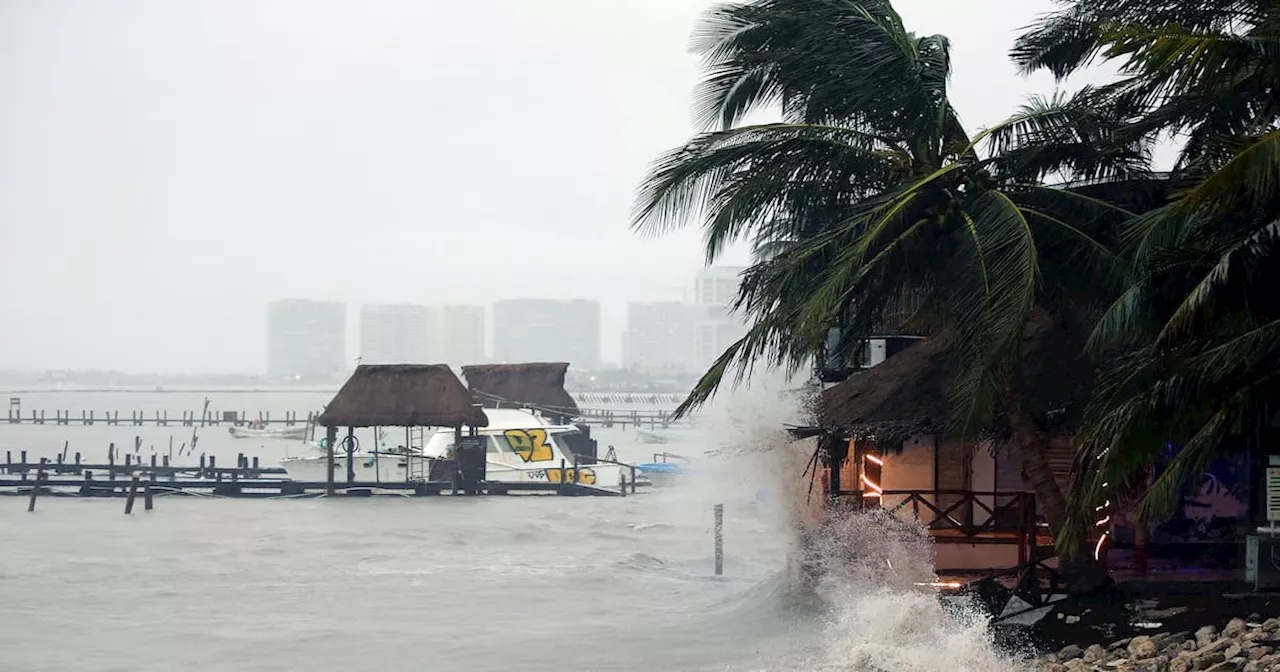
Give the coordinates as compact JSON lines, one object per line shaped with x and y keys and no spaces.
{"x":1242,"y":645}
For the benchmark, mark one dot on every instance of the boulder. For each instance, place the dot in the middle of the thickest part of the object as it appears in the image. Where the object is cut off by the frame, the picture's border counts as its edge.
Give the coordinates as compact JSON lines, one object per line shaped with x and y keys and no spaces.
{"x":1069,"y":652}
{"x":1232,"y":651}
{"x":1235,"y":627}
{"x":1205,"y":635}
{"x":1143,"y":647}
{"x":1094,"y":654}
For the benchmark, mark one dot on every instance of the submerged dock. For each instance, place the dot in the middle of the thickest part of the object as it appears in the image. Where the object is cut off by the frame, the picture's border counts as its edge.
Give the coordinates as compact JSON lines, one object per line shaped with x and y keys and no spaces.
{"x":80,"y":479}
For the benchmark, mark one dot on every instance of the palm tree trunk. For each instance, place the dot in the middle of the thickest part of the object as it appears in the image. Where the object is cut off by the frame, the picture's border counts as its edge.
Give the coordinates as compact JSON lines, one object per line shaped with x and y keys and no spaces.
{"x":1032,"y":449}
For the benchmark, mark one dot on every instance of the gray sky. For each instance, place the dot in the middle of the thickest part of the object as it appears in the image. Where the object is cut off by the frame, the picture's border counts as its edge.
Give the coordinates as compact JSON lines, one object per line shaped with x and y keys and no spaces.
{"x":167,"y":167}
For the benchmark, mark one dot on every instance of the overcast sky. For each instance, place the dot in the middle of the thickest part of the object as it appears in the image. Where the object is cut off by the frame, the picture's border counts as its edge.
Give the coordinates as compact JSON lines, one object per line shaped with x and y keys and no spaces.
{"x":168,"y":166}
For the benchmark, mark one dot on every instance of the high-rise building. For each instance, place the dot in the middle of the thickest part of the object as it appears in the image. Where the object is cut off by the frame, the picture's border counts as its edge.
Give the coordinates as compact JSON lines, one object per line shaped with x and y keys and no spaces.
{"x":306,"y":340}
{"x":398,"y":334}
{"x":462,"y":335}
{"x":716,"y":326}
{"x":717,"y":286}
{"x":542,"y":330}
{"x":659,"y":337}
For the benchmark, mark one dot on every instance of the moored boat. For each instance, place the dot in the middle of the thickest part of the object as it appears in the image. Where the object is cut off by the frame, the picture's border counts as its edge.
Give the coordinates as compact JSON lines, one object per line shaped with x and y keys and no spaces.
{"x":260,"y":432}
{"x":521,"y":447}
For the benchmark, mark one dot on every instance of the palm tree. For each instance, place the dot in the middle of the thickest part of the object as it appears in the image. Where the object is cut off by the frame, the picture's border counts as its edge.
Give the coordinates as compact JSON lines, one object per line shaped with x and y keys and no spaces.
{"x":1196,"y":337}
{"x":890,"y":212}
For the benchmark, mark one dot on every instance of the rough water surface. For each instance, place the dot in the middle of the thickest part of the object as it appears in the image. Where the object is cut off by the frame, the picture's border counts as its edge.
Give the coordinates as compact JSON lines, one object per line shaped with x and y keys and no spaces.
{"x":503,"y":583}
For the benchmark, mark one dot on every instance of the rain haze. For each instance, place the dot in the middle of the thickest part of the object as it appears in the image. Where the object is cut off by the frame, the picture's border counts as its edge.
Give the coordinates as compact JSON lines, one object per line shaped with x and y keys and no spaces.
{"x":170,"y":167}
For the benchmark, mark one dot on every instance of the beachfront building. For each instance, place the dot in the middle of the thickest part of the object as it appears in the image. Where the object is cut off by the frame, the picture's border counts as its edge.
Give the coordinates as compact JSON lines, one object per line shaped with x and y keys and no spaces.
{"x":547,"y":330}
{"x":716,"y":327}
{"x":397,"y":334}
{"x":462,"y":335}
{"x":306,"y":340}
{"x":659,"y":337}
{"x":885,"y":442}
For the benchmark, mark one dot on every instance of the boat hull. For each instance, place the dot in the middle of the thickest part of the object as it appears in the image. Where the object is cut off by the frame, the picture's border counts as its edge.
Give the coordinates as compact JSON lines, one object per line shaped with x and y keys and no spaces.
{"x":393,"y":468}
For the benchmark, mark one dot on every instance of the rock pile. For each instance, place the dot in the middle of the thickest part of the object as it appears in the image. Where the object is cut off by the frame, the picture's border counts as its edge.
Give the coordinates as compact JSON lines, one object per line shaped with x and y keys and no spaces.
{"x":1241,"y":646}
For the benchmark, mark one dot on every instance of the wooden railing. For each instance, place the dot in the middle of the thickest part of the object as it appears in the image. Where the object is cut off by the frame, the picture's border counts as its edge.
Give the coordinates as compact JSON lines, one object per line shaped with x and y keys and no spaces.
{"x":966,"y":517}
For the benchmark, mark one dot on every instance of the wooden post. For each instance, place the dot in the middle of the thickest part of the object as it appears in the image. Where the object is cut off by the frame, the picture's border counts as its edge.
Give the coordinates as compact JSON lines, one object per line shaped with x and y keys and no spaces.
{"x":633,"y":480}
{"x":200,"y":474}
{"x":35,"y":490}
{"x":65,"y":444}
{"x":719,"y":531}
{"x":77,"y":458}
{"x":255,"y":462}
{"x":331,"y":438}
{"x":622,"y":486}
{"x":23,"y":455}
{"x":350,"y":445}
{"x":147,"y":503}
{"x":133,"y":493}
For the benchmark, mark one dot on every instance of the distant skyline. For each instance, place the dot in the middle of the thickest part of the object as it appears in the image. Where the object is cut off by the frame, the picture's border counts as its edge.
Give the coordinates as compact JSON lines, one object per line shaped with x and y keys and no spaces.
{"x":171,"y":167}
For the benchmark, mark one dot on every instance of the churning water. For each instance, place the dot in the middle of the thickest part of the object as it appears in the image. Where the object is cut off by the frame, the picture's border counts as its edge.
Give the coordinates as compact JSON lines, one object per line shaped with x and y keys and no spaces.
{"x":502,"y":583}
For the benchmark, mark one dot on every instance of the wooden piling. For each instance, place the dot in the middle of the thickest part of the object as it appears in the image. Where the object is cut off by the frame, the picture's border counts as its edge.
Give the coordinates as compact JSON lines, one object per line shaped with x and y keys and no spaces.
{"x":77,"y":457}
{"x":133,"y":494}
{"x":35,"y":491}
{"x":147,"y":504}
{"x":719,"y":534}
{"x":65,"y":445}
{"x":331,"y":438}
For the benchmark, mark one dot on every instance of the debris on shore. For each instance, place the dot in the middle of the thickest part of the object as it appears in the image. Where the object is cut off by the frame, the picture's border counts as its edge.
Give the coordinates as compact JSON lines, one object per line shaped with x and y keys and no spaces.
{"x":1242,"y":645}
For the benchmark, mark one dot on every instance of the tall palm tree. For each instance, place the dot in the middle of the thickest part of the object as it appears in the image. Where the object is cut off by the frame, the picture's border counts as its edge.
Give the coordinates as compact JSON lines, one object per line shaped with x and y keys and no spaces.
{"x":1196,"y":337}
{"x":889,"y":210}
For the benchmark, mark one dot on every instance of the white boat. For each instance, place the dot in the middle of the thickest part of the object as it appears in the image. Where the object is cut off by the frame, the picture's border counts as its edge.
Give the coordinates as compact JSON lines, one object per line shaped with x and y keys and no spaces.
{"x":251,"y":432}
{"x":522,"y":447}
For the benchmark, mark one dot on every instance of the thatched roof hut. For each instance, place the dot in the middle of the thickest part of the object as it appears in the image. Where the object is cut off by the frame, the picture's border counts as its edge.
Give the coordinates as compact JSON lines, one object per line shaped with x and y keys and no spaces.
{"x":909,"y":392}
{"x":538,"y":384}
{"x":403,"y":395}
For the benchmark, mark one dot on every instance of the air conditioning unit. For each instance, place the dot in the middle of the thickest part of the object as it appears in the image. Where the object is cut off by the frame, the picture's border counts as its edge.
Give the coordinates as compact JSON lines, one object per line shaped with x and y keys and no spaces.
{"x":1262,"y":551}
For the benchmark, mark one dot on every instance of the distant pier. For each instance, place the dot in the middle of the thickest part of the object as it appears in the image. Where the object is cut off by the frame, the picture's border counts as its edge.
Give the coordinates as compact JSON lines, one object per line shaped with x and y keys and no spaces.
{"x":636,"y":418}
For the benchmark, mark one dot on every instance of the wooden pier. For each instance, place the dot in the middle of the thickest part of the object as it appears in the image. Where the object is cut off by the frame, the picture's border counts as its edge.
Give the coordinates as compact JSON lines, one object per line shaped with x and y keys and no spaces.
{"x":68,"y":479}
{"x":623,"y":419}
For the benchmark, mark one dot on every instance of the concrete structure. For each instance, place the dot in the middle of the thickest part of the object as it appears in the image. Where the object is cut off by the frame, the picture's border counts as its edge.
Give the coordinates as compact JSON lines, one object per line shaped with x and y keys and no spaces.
{"x":462,"y":335}
{"x":659,"y":337}
{"x":547,"y":330}
{"x":306,"y":340}
{"x":398,"y":334}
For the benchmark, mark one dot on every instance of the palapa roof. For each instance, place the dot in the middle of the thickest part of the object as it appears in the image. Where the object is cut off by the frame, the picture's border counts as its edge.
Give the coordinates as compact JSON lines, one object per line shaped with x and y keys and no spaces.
{"x":538,"y":384}
{"x":403,"y":395}
{"x":909,"y":393}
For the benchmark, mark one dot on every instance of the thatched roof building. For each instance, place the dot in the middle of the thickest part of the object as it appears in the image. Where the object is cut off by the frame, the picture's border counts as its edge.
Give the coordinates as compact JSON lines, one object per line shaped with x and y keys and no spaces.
{"x":909,"y":393}
{"x":539,"y":384}
{"x":403,"y":395}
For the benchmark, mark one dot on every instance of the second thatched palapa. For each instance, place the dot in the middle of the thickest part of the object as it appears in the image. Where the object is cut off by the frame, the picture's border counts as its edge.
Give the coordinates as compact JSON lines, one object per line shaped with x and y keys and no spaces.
{"x":537,"y":384}
{"x":403,"y":395}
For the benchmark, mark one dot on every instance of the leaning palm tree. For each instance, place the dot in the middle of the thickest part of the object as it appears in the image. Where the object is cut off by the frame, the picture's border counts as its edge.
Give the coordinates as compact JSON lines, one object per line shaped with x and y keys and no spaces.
{"x":1196,"y":337}
{"x":888,"y":210}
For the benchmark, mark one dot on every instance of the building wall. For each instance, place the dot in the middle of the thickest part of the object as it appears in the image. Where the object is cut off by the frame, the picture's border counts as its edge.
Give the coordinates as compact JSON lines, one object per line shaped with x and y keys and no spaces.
{"x":306,"y":340}
{"x":462,"y":335}
{"x":397,"y":334}
{"x":542,"y":330}
{"x":659,"y":337}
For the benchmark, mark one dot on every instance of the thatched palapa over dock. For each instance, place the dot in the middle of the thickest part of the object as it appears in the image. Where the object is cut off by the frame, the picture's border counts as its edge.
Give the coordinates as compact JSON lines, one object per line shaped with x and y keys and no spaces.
{"x":539,"y":384}
{"x":403,"y":395}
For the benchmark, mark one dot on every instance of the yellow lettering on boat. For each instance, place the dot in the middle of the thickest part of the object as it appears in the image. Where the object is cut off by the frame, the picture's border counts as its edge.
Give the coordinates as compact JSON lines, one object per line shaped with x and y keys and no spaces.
{"x":585,"y":476}
{"x":530,"y":444}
